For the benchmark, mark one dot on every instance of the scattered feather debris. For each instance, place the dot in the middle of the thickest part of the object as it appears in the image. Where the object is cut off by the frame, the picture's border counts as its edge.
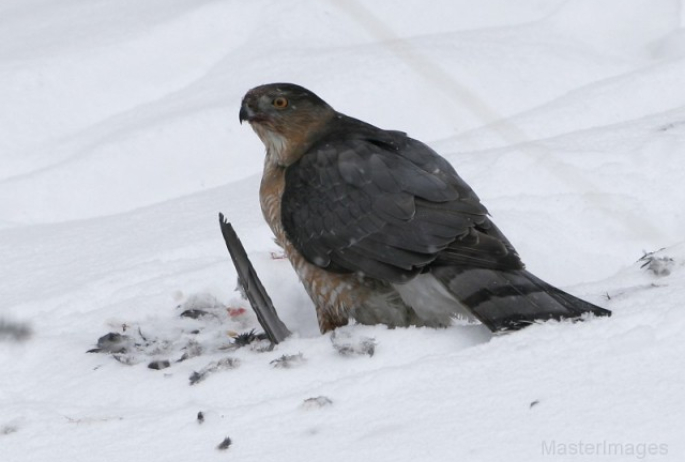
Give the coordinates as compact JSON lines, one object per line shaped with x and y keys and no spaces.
{"x":316,"y":403}
{"x":8,"y":429}
{"x":113,"y":343}
{"x":159,"y":364}
{"x":215,"y":366}
{"x":193,"y":313}
{"x":247,"y":338}
{"x":225,"y":444}
{"x":14,"y":331}
{"x":191,"y":350}
{"x":660,"y":265}
{"x":348,"y":344}
{"x":288,"y":361}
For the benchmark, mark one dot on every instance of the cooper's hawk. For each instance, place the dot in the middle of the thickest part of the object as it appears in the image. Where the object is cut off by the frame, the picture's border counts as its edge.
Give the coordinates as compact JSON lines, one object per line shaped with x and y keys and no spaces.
{"x":380,"y":228}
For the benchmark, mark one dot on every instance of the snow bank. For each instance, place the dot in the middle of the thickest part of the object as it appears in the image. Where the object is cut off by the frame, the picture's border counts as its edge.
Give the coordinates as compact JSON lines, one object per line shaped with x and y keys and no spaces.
{"x":120,"y":144}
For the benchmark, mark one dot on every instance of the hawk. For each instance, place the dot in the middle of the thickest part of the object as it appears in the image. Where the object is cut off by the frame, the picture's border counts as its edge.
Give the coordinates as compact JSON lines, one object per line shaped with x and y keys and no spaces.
{"x":382,"y":229}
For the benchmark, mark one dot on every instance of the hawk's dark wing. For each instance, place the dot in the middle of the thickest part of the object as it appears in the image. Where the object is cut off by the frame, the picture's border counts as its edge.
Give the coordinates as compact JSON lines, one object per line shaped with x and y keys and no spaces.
{"x":378,"y":202}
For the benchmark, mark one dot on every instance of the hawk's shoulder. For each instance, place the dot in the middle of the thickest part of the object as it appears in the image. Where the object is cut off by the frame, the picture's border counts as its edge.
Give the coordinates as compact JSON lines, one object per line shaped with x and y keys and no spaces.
{"x":374,"y":201}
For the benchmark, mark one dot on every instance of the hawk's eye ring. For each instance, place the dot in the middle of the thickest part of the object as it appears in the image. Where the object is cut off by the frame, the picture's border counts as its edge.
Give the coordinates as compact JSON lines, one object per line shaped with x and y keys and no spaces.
{"x":280,"y":102}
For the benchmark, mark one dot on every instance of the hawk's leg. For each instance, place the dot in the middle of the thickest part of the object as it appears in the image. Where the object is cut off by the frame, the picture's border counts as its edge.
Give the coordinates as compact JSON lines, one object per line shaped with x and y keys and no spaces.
{"x":338,"y":297}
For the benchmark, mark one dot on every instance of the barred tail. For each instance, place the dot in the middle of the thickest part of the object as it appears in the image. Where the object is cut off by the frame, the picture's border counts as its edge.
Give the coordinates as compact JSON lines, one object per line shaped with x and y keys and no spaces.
{"x":510,"y":300}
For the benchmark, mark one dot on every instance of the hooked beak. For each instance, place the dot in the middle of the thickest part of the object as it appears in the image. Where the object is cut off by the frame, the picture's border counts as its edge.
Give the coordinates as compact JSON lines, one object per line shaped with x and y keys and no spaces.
{"x":245,"y":113}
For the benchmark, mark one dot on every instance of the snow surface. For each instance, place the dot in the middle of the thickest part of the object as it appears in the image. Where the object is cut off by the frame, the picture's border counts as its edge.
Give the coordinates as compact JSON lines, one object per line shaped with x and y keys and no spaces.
{"x":120,"y":144}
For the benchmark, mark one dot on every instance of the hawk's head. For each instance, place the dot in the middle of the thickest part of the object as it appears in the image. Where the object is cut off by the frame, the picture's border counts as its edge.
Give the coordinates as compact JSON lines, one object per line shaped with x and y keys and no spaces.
{"x":286,"y":117}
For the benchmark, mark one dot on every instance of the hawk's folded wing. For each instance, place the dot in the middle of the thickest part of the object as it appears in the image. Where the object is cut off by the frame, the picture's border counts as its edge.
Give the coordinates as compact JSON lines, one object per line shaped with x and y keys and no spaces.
{"x":386,"y":205}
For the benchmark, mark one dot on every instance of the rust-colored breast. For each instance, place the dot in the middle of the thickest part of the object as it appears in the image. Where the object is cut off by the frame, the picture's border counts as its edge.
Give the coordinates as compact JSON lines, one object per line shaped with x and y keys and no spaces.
{"x":334,"y":295}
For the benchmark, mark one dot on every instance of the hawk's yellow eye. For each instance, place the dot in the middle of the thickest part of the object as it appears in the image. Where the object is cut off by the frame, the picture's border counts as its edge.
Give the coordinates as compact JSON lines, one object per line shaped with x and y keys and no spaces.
{"x":280,"y":102}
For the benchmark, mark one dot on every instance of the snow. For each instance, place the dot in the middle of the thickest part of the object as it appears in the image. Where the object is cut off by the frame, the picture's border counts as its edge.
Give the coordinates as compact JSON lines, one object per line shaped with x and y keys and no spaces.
{"x":120,"y":144}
